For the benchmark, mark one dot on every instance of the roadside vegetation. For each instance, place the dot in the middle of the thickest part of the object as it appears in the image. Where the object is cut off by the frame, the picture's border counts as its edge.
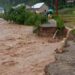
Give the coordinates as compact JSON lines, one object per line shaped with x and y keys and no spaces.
{"x":72,"y":35}
{"x":61,"y":30}
{"x":68,"y":15}
{"x":73,"y":32}
{"x":23,"y":16}
{"x":60,"y":22}
{"x":1,"y":15}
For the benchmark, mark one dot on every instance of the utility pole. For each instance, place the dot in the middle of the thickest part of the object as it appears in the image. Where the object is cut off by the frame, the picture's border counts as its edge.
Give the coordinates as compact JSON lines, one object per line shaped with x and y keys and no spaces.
{"x":56,"y":5}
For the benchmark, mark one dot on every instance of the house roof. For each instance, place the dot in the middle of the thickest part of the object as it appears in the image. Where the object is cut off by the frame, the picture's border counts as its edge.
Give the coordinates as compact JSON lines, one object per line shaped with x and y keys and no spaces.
{"x":19,"y":5}
{"x":38,"y":5}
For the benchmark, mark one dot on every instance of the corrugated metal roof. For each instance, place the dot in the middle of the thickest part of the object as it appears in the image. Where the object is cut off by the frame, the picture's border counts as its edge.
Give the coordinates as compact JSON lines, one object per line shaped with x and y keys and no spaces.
{"x":38,"y":5}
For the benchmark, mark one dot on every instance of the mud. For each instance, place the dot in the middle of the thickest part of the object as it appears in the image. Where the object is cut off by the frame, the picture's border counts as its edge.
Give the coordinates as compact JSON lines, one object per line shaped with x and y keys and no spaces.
{"x":22,"y":52}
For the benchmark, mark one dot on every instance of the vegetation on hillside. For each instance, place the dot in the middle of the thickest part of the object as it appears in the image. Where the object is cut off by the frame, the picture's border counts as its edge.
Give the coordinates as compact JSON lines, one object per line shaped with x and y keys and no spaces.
{"x":50,"y":3}
{"x":73,"y":32}
{"x":24,"y":16}
{"x":60,"y":22}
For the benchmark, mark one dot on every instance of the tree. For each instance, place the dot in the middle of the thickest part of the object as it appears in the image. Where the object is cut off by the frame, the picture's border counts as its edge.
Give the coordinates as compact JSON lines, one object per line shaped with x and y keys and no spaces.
{"x":50,"y":3}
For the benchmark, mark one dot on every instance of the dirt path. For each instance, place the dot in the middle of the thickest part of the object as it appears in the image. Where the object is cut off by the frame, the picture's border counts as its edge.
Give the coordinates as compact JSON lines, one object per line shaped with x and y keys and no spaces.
{"x":23,"y":53}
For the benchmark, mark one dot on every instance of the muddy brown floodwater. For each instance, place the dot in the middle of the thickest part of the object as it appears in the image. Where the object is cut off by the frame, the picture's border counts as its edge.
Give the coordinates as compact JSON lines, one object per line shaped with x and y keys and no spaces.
{"x":22,"y":52}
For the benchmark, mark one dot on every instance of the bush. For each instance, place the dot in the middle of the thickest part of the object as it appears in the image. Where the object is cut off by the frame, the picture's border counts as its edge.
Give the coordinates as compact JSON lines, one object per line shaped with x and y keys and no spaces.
{"x":22,"y":16}
{"x":60,"y":22}
{"x":44,"y":19}
{"x":1,"y":15}
{"x":73,"y":31}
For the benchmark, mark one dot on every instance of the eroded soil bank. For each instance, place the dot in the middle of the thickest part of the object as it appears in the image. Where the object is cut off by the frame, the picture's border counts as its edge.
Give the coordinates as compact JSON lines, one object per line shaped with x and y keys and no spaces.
{"x":22,"y":52}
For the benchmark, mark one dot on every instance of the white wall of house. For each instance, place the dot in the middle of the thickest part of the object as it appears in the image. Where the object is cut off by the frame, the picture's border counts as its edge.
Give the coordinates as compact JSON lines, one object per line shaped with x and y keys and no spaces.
{"x":39,"y":9}
{"x":43,"y":9}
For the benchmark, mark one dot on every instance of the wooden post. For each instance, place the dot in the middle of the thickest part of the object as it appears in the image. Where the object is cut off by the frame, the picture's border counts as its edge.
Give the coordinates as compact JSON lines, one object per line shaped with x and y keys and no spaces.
{"x":56,"y":5}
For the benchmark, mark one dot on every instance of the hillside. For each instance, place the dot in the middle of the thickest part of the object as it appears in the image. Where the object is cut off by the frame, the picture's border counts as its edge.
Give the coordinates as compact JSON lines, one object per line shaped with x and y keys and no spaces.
{"x":8,"y":3}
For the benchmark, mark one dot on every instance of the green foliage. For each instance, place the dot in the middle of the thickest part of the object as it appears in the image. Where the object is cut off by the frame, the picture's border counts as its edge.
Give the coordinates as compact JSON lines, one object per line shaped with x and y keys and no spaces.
{"x":60,"y":22}
{"x":50,"y":3}
{"x":73,"y":31}
{"x":23,"y":16}
{"x":1,"y":15}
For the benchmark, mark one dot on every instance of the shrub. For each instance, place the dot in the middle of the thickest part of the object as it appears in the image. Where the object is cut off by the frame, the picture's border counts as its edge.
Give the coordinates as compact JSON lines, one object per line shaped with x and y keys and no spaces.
{"x":44,"y":19}
{"x":1,"y":15}
{"x":60,"y":22}
{"x":22,"y":16}
{"x":73,"y":31}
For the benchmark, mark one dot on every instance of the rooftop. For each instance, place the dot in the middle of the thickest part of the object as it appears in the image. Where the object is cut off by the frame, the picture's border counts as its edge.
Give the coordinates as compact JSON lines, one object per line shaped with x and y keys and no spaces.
{"x":38,"y":5}
{"x":19,"y":5}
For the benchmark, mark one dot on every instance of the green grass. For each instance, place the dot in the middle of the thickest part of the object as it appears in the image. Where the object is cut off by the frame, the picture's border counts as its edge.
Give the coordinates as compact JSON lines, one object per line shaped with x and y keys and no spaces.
{"x":67,"y":11}
{"x":68,"y":15}
{"x":1,"y":15}
{"x":73,"y":32}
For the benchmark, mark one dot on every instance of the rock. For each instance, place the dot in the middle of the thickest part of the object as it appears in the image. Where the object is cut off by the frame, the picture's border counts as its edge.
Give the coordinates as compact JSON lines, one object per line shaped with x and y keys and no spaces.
{"x":60,"y":68}
{"x":59,"y":50}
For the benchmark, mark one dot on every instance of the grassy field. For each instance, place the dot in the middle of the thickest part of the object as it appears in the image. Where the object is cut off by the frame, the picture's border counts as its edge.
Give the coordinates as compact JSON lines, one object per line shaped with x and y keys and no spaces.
{"x":1,"y":15}
{"x":68,"y":16}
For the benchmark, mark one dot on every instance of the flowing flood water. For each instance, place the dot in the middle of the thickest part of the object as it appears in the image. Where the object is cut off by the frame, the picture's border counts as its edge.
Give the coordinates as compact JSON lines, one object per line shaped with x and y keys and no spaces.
{"x":22,"y":52}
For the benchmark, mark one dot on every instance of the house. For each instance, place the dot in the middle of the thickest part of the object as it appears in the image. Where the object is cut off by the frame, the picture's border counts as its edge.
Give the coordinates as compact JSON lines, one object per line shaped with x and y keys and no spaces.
{"x":39,"y":7}
{"x":1,"y":10}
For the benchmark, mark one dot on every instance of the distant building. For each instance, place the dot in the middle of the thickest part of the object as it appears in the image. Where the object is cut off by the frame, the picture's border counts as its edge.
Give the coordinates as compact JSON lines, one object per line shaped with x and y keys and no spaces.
{"x":70,"y":1}
{"x":1,"y":10}
{"x":19,"y":5}
{"x":39,"y":7}
{"x":28,"y":7}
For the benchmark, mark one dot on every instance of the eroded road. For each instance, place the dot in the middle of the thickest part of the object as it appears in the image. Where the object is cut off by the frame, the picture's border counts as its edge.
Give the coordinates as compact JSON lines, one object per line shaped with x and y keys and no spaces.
{"x":22,"y":52}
